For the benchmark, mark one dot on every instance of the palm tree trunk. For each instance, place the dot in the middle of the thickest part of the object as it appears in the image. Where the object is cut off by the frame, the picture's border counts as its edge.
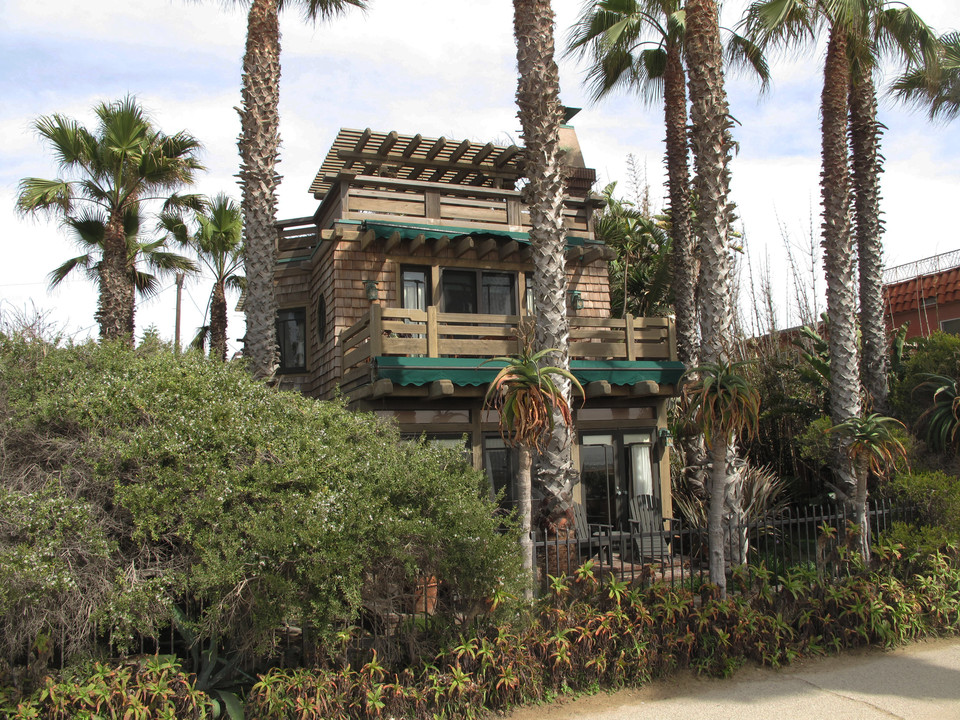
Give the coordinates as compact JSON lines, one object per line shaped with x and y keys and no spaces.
{"x":684,"y":261}
{"x":540,"y":112}
{"x":114,"y":305}
{"x":711,"y":145}
{"x":838,"y":253}
{"x":218,"y":323}
{"x":711,"y":153}
{"x":715,"y":524}
{"x":525,"y":509}
{"x":259,"y":143}
{"x":678,"y":187}
{"x":865,"y":134}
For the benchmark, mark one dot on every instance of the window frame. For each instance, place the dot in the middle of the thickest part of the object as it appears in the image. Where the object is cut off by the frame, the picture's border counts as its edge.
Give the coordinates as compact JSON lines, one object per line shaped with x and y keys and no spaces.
{"x":299,"y":314}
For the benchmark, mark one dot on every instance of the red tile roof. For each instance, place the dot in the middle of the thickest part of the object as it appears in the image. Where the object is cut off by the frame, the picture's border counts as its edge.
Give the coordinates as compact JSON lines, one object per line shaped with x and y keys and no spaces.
{"x":906,"y":296}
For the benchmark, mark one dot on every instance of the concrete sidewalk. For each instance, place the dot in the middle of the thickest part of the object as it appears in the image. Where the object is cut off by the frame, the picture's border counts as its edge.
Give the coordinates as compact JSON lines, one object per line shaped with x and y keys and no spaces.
{"x":917,"y":682}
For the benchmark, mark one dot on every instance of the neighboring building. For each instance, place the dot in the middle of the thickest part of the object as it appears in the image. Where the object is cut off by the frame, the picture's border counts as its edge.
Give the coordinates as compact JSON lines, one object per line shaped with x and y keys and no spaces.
{"x":925,"y":294}
{"x":416,"y":269}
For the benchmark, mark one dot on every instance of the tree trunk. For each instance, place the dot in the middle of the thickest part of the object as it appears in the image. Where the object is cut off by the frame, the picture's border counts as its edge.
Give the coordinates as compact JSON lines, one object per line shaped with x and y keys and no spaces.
{"x":218,"y":323}
{"x":838,"y":255}
{"x":711,"y":153}
{"x":259,"y":143}
{"x":540,"y":112}
{"x":718,"y":493}
{"x":525,"y":509}
{"x":865,"y":134}
{"x":736,"y":541}
{"x":711,"y":145}
{"x":685,"y":269}
{"x":115,"y":304}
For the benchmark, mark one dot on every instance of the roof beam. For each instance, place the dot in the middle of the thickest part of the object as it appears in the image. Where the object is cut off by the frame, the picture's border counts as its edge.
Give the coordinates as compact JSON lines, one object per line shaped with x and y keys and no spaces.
{"x":483,"y":153}
{"x":362,"y":141}
{"x":419,"y":165}
{"x":440,"y":389}
{"x":508,"y":249}
{"x":412,"y":145}
{"x":486,"y":247}
{"x":440,"y":244}
{"x":416,"y":243}
{"x":366,"y":237}
{"x":388,"y":142}
{"x":436,"y":148}
{"x":506,"y":155}
{"x":459,"y":152}
{"x":392,"y":241}
{"x":461,"y":247}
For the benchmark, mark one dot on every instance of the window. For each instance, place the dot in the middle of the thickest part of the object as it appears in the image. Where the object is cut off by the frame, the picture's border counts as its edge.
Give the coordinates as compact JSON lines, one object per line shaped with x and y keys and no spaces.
{"x":501,"y":464}
{"x":479,"y":291}
{"x":951,"y":326}
{"x":614,"y":467}
{"x":291,"y":335}
{"x":415,"y":287}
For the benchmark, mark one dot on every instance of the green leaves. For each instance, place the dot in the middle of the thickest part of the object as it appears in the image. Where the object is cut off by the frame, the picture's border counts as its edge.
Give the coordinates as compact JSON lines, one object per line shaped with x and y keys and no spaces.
{"x":721,"y":401}
{"x":942,"y":419}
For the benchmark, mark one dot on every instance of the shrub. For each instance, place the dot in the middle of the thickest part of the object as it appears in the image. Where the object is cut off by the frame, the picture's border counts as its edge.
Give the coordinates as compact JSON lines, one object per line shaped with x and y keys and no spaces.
{"x":938,"y":354}
{"x":149,"y":687}
{"x":140,"y":482}
{"x":936,"y":495}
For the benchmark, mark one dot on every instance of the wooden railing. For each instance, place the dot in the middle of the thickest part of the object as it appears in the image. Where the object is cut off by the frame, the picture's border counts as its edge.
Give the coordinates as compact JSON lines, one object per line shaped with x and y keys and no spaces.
{"x":363,"y":197}
{"x":429,"y":333}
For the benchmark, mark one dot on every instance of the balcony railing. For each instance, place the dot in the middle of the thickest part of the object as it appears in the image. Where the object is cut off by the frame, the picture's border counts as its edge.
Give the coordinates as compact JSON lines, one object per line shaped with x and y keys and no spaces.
{"x":430,"y":333}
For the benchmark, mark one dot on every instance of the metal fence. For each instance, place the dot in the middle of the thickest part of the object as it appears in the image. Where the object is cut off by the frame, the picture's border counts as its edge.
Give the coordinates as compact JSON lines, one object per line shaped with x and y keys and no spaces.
{"x":678,"y":554}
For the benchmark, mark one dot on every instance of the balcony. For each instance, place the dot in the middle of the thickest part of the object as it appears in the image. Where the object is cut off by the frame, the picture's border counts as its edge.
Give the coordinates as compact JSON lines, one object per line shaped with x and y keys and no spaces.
{"x":443,"y":354}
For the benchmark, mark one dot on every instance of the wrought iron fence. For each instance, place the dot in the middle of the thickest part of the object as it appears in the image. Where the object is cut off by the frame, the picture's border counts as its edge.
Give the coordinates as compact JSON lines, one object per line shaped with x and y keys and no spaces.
{"x":678,"y":554}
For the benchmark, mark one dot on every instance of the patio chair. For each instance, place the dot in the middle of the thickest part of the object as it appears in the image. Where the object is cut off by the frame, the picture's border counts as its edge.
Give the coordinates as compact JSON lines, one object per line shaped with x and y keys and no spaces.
{"x":646,"y":526}
{"x":591,"y":535}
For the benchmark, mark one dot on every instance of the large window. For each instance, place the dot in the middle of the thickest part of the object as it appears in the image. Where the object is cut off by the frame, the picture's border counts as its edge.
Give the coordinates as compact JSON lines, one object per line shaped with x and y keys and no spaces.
{"x":291,"y":336}
{"x":615,"y":466}
{"x":478,"y":291}
{"x":501,"y":464}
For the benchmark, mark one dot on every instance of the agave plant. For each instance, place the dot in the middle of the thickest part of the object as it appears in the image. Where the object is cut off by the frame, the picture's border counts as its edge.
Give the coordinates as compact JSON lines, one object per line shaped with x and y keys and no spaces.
{"x":872,"y":447}
{"x":722,"y":402}
{"x":525,"y":396}
{"x":942,"y":418}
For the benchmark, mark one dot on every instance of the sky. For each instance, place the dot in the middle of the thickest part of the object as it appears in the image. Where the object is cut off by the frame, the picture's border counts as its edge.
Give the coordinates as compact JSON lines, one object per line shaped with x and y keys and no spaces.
{"x":434,"y":67}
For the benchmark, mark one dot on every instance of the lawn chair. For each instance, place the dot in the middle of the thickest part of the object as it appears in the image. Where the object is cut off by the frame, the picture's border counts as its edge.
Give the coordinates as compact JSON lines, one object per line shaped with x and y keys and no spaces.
{"x":591,"y":535}
{"x":646,"y":526}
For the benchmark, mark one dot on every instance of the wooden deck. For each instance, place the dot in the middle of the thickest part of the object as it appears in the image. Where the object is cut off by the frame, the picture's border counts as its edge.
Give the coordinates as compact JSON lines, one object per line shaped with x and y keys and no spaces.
{"x":411,"y":333}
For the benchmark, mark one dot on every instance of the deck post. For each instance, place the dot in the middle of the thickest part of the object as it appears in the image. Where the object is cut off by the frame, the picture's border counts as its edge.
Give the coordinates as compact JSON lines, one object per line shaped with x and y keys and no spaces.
{"x":433,"y":332}
{"x":630,"y":336}
{"x":376,"y":330}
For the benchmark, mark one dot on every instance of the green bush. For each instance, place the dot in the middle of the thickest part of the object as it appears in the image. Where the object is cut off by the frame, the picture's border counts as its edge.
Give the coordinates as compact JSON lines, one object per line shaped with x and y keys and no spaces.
{"x":139,"y":486}
{"x":936,"y":496}
{"x":938,"y":354}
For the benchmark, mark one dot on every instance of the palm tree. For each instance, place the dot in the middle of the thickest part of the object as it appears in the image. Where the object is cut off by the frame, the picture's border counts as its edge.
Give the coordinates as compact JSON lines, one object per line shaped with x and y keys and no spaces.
{"x":723,"y":403}
{"x":540,"y":112}
{"x":529,"y":401}
{"x":939,"y":92}
{"x":785,"y":21}
{"x":218,"y":243}
{"x":639,"y":44}
{"x":616,"y":33}
{"x":259,"y":146}
{"x":889,"y":30}
{"x":872,"y":447}
{"x":859,"y":32}
{"x":90,"y":230}
{"x":124,"y":163}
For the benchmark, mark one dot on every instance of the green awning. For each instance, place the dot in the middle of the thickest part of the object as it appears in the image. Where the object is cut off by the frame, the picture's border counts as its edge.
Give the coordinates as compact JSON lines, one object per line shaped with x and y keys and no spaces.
{"x":408,"y":231}
{"x":419,"y":371}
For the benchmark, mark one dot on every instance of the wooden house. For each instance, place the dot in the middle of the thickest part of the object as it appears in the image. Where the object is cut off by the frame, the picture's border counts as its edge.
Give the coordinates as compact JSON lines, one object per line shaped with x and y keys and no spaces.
{"x":416,"y":268}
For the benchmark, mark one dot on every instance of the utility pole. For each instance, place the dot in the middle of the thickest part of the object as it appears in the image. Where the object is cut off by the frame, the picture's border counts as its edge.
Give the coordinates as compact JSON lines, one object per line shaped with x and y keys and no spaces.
{"x":176,"y":328}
